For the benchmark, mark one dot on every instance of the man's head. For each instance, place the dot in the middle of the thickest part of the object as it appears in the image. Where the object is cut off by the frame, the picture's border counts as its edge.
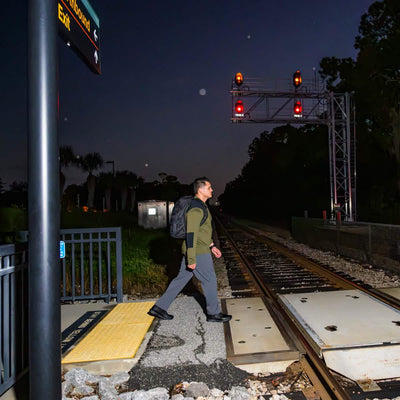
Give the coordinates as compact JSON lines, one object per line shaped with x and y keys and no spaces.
{"x":202,"y":188}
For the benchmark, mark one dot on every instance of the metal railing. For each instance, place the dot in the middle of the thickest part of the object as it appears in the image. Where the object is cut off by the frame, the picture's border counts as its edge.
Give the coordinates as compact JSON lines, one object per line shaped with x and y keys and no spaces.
{"x":92,"y":267}
{"x":375,"y":244}
{"x":13,"y":314}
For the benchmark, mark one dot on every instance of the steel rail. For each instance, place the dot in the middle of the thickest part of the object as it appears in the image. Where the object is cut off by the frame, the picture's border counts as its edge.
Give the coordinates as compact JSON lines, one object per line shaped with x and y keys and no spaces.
{"x":340,"y":281}
{"x":322,"y":379}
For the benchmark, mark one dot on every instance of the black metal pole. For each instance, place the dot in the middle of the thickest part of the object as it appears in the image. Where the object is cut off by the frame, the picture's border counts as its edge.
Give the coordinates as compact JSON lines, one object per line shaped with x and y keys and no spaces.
{"x":43,"y":203}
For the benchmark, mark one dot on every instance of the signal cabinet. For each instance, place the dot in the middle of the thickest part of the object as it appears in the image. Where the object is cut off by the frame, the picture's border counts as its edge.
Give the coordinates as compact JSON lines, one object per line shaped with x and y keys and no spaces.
{"x":154,"y":214}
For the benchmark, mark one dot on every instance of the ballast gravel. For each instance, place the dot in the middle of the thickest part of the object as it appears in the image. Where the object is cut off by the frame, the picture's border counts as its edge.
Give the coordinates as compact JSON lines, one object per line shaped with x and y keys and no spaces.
{"x":377,"y":278}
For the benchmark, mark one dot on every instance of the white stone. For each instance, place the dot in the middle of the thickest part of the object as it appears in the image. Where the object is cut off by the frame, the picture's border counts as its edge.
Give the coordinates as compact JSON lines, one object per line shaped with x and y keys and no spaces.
{"x":139,"y":395}
{"x":83,"y":390}
{"x":126,"y":396}
{"x":66,"y":387}
{"x":239,"y":393}
{"x":177,"y":397}
{"x":119,"y":378}
{"x":158,"y":394}
{"x":107,"y":389}
{"x":216,"y":393}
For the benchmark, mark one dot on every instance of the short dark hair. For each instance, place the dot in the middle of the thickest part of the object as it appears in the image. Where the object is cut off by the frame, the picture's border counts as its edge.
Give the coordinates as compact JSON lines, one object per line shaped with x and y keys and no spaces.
{"x":198,"y":183}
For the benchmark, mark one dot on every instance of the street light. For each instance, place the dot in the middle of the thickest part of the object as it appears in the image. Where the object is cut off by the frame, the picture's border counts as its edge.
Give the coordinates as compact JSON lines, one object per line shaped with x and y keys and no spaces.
{"x":113,"y":165}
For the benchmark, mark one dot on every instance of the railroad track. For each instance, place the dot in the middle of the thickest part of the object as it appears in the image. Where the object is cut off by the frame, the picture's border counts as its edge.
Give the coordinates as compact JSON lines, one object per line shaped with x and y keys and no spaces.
{"x":258,"y":266}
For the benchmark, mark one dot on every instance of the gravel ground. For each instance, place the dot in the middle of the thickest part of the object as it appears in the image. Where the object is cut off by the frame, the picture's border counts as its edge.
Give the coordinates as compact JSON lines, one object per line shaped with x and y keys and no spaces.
{"x":221,"y":374}
{"x":186,"y":339}
{"x":187,"y":348}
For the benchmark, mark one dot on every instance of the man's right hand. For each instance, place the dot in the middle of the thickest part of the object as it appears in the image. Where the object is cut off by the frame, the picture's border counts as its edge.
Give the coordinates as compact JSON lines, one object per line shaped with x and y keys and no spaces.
{"x":192,"y":266}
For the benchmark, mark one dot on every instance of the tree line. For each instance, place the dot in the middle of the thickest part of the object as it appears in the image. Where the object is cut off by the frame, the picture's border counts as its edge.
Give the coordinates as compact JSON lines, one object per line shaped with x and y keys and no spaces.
{"x":288,"y":170}
{"x":101,"y":190}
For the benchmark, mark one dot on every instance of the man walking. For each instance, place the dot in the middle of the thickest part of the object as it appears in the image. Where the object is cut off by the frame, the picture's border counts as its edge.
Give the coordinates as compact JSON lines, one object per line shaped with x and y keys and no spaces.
{"x":197,"y":259}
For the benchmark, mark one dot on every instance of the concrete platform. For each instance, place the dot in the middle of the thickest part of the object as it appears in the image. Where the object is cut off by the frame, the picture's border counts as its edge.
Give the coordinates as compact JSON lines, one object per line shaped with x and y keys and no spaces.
{"x":117,"y":336}
{"x":70,"y":313}
{"x":188,"y":339}
{"x":110,"y":363}
{"x":357,"y":335}
{"x":83,"y":313}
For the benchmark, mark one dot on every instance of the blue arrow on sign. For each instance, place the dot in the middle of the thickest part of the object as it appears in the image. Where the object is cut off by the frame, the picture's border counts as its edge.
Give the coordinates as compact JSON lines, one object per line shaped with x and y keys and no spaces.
{"x":62,"y":249}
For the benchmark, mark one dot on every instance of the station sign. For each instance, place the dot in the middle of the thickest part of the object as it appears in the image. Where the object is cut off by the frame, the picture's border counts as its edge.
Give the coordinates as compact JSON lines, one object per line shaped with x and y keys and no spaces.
{"x":79,"y":27}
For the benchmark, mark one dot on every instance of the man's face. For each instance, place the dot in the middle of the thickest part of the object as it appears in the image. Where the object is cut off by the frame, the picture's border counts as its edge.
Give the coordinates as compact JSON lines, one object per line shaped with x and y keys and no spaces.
{"x":206,"y":190}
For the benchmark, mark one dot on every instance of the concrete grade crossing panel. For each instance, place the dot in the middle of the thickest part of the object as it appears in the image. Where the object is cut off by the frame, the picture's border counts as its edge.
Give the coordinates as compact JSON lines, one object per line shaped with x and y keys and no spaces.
{"x":254,"y":341}
{"x":379,"y":362}
{"x":357,"y":335}
{"x":253,"y":329}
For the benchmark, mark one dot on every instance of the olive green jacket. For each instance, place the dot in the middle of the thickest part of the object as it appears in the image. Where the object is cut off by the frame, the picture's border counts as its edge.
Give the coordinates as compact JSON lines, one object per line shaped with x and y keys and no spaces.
{"x":198,"y":237}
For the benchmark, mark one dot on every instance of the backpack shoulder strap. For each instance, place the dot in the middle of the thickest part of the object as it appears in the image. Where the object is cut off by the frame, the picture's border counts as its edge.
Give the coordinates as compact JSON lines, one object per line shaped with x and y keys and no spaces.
{"x":199,"y":204}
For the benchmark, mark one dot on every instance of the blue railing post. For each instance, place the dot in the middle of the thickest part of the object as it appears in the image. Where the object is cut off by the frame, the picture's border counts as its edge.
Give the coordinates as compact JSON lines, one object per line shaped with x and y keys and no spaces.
{"x":119,"y":266}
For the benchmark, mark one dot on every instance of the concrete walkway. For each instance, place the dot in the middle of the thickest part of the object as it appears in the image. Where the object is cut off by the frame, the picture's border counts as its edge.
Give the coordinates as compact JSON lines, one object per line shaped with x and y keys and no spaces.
{"x":70,"y":313}
{"x":187,"y":339}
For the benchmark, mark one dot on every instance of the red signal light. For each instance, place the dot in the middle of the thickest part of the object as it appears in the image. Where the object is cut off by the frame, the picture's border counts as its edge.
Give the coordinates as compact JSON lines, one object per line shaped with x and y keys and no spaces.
{"x":238,"y":78}
{"x":297,"y":109}
{"x":239,"y":109}
{"x":297,"y":79}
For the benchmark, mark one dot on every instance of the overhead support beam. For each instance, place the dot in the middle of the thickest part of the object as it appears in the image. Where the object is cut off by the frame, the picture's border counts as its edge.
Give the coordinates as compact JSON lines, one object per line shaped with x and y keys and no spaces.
{"x":318,"y":107}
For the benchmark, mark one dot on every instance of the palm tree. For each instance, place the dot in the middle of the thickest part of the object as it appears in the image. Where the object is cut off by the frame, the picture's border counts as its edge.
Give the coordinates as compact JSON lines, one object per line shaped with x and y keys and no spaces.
{"x":89,"y":163}
{"x":67,"y":157}
{"x":127,"y":180}
{"x":106,"y":180}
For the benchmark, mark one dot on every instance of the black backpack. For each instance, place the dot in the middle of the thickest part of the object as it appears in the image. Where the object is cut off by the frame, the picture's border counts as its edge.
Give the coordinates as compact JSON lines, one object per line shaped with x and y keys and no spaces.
{"x":177,"y":222}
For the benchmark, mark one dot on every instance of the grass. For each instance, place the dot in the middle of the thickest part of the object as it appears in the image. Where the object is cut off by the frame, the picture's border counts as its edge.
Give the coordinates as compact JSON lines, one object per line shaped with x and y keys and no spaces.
{"x":142,"y":275}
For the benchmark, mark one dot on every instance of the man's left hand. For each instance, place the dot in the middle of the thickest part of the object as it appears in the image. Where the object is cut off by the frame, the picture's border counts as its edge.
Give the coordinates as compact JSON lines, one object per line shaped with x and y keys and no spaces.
{"x":216,"y":252}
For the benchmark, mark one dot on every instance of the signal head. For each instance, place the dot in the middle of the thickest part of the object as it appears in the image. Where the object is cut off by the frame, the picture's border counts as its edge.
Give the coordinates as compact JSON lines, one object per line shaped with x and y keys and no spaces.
{"x":297,"y":110}
{"x":239,"y":109}
{"x":238,"y":79}
{"x":297,"y":79}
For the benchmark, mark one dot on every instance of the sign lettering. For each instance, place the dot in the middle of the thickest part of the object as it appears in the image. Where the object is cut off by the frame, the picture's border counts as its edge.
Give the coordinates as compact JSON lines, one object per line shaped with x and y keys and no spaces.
{"x":63,"y":17}
{"x":79,"y":26}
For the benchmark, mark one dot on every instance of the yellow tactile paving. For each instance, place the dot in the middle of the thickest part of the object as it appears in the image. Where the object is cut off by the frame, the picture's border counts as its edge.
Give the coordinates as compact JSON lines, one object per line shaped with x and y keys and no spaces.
{"x":117,"y":336}
{"x":129,"y":313}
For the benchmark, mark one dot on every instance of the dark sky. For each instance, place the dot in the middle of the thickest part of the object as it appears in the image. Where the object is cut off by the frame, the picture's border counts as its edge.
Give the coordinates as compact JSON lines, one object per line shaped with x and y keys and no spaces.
{"x":146,"y":107}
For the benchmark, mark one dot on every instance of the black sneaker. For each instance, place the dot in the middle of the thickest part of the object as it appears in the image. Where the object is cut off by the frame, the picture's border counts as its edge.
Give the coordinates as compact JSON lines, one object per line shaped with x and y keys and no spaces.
{"x":158,"y":312}
{"x":219,"y":317}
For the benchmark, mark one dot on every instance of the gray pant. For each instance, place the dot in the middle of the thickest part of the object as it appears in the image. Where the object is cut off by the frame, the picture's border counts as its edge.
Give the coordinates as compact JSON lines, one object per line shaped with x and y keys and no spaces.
{"x":205,"y":273}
